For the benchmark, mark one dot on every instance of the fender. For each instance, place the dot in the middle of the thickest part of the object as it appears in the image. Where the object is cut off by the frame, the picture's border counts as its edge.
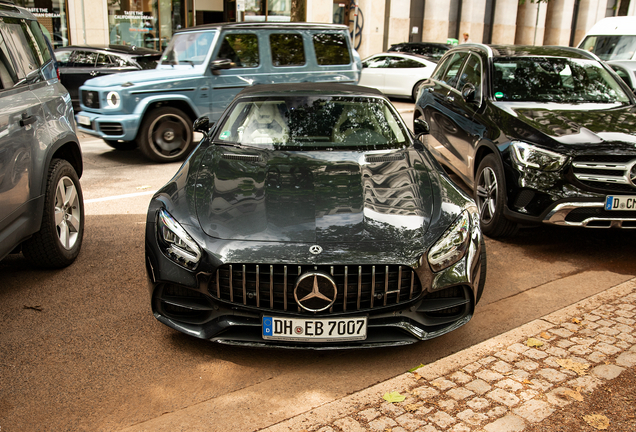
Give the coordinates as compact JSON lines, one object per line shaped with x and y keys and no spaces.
{"x":142,"y":106}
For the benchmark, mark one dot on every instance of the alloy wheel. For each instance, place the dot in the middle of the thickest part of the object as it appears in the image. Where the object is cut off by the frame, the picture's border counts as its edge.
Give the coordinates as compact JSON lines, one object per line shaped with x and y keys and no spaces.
{"x":487,"y":194}
{"x":67,"y":213}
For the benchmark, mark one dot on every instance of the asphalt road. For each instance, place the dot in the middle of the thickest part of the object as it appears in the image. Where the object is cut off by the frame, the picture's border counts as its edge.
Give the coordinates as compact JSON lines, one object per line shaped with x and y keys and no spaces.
{"x":80,"y":349}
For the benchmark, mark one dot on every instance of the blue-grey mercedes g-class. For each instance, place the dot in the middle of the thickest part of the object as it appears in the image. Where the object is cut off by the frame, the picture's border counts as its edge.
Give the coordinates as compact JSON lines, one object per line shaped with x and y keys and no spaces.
{"x":200,"y":72}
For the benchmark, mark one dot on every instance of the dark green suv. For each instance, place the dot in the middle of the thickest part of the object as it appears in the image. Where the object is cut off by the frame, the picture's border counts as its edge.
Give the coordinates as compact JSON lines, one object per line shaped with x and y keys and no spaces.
{"x":41,"y":204}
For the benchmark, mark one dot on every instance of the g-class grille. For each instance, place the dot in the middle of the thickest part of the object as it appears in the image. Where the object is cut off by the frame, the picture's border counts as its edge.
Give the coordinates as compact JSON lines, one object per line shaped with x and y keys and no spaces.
{"x":90,"y":99}
{"x":112,"y":128}
{"x":608,"y":173}
{"x":272,"y":286}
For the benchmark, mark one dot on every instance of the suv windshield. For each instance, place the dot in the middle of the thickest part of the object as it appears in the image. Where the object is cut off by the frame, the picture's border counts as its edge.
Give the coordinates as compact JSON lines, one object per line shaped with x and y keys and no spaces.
{"x":616,"y":47}
{"x":189,"y":48}
{"x":555,"y":79}
{"x":314,"y":122}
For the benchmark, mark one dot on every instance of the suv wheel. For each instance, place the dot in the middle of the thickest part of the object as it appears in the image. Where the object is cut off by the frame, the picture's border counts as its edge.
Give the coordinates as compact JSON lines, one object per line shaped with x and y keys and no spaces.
{"x":122,"y":145}
{"x":59,"y":240}
{"x":166,"y":135}
{"x":490,"y":196}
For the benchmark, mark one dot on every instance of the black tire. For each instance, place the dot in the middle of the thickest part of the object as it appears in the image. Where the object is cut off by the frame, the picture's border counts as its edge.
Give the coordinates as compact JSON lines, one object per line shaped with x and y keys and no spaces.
{"x":122,"y":145}
{"x":166,"y":135}
{"x":59,"y":240}
{"x":490,"y":195}
{"x":416,"y":88}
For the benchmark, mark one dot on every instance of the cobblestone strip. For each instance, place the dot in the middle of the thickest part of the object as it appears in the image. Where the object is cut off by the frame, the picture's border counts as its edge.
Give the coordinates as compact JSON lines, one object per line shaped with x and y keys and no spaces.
{"x":502,"y":384}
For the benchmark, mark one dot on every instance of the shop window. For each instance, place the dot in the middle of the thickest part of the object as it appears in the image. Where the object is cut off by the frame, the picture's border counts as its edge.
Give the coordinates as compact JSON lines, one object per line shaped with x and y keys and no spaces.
{"x":331,"y":49}
{"x":287,"y":49}
{"x":51,"y":14}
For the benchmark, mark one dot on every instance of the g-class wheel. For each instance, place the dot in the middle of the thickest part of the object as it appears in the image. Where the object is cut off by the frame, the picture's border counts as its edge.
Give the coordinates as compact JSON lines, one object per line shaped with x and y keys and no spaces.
{"x":166,"y":135}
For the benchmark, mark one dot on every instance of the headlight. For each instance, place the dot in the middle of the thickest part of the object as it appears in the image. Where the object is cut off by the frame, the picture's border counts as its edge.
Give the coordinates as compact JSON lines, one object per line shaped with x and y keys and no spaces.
{"x":453,"y":244}
{"x":535,"y":157}
{"x":113,"y":99}
{"x":175,"y":242}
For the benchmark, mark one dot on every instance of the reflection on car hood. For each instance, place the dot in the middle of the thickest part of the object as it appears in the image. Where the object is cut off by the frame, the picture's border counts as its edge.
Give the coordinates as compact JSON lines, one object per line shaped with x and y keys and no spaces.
{"x":157,"y":76}
{"x":578,"y":125}
{"x":318,"y":196}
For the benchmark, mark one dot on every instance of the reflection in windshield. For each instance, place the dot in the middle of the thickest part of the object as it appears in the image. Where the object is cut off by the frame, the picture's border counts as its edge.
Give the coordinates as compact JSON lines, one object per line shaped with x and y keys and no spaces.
{"x":553,"y":79}
{"x":617,"y":47}
{"x":188,"y":48}
{"x":314,"y":122}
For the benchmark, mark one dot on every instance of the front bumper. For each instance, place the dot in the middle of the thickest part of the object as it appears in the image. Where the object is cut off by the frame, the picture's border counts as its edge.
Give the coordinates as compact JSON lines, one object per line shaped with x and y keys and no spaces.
{"x":589,"y":215}
{"x":109,"y":127}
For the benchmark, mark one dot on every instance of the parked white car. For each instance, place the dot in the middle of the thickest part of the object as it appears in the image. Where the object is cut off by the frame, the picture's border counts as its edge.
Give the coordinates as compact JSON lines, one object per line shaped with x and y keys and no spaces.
{"x":396,"y":74}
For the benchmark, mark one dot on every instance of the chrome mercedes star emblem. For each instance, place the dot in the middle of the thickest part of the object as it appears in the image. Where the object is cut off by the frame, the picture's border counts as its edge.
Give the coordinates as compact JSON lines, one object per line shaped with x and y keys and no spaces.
{"x":315,"y":249}
{"x":315,"y":291}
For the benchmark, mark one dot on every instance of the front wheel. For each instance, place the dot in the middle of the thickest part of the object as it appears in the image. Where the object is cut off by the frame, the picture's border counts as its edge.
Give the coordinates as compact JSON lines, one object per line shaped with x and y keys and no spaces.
{"x":490,"y":196}
{"x":59,"y":240}
{"x":166,"y":135}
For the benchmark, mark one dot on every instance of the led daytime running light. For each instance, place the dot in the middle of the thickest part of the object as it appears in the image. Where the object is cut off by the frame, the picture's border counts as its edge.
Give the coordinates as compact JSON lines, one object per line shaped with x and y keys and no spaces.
{"x":178,"y":245}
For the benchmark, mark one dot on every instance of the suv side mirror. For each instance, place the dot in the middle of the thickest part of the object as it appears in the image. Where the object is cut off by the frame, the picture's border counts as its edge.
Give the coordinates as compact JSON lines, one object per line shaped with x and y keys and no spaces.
{"x":203,"y":125}
{"x":221,"y":63}
{"x":420,"y":128}
{"x":468,"y":92}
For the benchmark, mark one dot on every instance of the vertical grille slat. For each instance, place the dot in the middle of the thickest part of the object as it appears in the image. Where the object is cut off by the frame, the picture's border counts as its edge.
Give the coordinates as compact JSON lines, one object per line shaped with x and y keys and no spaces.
{"x":251,"y":285}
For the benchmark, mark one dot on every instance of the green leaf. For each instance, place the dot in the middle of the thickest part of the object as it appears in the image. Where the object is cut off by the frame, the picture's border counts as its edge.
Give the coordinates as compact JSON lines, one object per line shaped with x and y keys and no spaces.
{"x":532,"y":342}
{"x":393,"y":397}
{"x":416,"y":368}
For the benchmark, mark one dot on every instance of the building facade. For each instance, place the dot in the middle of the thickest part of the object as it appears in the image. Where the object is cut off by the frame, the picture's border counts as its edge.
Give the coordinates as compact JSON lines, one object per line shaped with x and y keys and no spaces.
{"x":378,"y":23}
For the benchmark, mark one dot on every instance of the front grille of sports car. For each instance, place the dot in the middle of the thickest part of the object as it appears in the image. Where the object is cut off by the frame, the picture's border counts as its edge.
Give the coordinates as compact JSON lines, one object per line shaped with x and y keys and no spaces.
{"x":606,"y":172}
{"x":271,"y":287}
{"x":90,"y":99}
{"x":112,"y":128}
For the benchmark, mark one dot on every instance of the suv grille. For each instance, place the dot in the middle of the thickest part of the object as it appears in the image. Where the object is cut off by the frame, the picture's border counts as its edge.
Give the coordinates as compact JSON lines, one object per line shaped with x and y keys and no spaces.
{"x":272,"y":286}
{"x":90,"y":99}
{"x":609,"y":173}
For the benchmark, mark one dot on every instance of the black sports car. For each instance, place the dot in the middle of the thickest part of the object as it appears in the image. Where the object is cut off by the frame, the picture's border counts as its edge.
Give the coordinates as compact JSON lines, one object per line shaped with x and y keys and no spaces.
{"x":79,"y":63}
{"x":309,"y":216}
{"x":543,"y":135}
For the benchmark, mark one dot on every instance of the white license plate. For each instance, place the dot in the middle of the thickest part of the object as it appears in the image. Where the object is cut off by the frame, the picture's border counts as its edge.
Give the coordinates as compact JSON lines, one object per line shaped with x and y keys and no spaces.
{"x":83,"y":120}
{"x":314,"y":329}
{"x":620,"y":202}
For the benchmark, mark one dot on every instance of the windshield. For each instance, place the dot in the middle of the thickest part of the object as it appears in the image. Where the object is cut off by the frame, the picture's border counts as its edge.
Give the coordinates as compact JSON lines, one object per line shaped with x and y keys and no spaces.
{"x":555,"y":79}
{"x":188,"y":48}
{"x":618,"y":47}
{"x":314,"y":122}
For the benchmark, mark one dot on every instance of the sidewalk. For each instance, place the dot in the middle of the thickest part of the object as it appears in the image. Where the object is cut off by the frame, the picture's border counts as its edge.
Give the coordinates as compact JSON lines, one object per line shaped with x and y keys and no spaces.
{"x":508,"y":383}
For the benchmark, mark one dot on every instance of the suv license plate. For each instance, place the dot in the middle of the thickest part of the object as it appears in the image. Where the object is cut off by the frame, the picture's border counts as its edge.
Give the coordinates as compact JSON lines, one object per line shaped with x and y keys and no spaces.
{"x":315,"y":329}
{"x":620,"y":202}
{"x":83,"y":120}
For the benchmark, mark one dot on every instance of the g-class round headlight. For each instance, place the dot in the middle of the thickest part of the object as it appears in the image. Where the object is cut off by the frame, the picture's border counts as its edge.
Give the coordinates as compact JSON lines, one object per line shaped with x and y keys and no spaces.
{"x":175,"y":242}
{"x":113,"y":99}
{"x":452,"y":246}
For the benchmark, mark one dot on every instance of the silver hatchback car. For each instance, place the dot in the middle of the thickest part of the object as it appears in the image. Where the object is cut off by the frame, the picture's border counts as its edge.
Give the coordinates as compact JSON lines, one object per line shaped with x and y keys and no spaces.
{"x":41,"y":204}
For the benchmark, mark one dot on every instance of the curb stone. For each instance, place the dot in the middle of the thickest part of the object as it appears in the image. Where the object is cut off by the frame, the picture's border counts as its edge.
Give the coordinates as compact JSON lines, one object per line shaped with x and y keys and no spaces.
{"x":500,"y":384}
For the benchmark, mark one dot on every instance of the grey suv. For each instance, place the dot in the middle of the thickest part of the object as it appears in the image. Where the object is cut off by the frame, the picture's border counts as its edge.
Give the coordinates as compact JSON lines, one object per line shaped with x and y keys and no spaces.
{"x":41,"y":204}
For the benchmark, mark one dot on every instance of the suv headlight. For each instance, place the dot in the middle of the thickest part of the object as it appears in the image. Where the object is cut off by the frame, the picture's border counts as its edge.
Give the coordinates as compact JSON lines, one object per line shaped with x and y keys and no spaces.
{"x":175,"y":242}
{"x":113,"y":100}
{"x":452,"y":246}
{"x":535,"y":157}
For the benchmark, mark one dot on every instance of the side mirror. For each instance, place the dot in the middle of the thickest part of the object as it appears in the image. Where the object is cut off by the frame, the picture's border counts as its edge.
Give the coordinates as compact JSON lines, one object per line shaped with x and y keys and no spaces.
{"x":468,"y":92}
{"x":203,"y":125}
{"x":221,"y":63}
{"x":420,"y":127}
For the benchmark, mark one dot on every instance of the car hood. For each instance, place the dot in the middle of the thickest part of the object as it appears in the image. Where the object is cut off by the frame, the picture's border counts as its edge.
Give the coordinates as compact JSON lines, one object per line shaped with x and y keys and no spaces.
{"x":312,"y":196}
{"x":578,"y":125}
{"x":157,"y":76}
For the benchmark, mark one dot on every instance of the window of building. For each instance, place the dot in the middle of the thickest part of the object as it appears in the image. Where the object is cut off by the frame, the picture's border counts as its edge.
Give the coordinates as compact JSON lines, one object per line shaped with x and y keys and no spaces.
{"x":51,"y":14}
{"x":287,"y":49}
{"x":266,"y":10}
